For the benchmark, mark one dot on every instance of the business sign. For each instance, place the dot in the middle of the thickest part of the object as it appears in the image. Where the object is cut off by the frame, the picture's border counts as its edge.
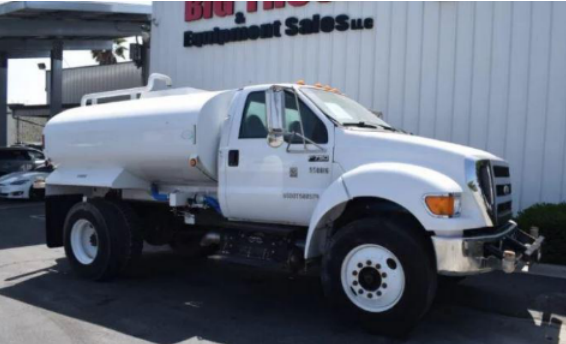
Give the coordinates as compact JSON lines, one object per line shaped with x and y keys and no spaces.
{"x":292,"y":26}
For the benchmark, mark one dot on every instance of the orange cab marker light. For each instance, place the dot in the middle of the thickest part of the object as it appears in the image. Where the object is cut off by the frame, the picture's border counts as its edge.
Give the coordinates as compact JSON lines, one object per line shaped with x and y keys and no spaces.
{"x":318,"y":85}
{"x":441,"y":205}
{"x":193,"y":162}
{"x":301,"y":82}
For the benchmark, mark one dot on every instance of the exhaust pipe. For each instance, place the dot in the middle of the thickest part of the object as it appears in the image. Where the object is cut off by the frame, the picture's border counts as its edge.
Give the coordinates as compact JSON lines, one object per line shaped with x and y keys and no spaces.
{"x":211,"y":238}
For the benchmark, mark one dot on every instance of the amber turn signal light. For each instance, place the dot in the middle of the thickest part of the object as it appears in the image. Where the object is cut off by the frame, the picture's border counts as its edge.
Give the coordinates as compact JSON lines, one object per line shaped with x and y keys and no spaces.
{"x":445,"y":205}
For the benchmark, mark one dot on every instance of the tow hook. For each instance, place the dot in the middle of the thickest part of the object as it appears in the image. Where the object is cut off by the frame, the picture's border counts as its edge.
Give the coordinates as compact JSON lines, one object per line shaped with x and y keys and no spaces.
{"x":508,"y":264}
{"x":516,"y":250}
{"x":535,"y":232}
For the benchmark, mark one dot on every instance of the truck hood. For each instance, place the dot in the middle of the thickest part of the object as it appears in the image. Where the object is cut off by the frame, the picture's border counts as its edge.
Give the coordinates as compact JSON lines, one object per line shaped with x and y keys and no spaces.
{"x":356,"y":147}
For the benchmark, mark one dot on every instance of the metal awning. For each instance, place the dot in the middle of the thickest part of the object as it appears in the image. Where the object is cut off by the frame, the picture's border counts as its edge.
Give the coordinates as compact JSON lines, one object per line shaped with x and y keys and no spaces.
{"x":31,"y":29}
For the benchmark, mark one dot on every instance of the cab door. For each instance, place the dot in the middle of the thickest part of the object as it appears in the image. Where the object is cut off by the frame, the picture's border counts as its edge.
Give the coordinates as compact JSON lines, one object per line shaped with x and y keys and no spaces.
{"x":275,"y":185}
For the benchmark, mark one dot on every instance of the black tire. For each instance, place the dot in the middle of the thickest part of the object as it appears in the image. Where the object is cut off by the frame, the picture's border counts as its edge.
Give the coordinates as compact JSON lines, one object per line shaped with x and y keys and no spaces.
{"x":414,"y":254}
{"x":119,"y":238}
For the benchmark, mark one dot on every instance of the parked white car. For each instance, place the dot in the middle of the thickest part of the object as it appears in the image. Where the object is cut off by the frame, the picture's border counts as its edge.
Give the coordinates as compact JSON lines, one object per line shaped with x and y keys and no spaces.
{"x":25,"y":185}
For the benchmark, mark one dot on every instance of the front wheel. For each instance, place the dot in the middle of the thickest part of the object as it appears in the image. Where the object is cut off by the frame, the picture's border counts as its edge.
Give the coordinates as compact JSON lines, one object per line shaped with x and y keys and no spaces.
{"x":383,"y":271}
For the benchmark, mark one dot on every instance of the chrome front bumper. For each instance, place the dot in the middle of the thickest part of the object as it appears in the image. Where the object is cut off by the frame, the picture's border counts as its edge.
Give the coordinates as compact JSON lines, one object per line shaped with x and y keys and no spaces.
{"x":510,"y":249}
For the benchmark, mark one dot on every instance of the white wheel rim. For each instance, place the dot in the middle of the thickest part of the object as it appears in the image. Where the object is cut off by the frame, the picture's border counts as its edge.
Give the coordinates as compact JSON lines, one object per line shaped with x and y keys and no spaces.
{"x":373,"y":278}
{"x":84,"y":241}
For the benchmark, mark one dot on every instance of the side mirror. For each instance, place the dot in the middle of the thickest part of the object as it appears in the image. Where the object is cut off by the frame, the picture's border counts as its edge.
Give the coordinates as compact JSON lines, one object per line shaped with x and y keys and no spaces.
{"x":275,"y":104}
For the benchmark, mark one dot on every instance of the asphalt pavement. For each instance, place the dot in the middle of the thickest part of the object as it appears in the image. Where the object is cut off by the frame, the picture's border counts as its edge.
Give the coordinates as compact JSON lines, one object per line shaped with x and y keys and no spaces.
{"x":170,"y":300}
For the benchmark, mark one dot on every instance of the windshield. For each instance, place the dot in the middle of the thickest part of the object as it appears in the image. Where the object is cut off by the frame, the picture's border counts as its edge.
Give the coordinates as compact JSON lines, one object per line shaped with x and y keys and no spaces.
{"x":344,"y":110}
{"x":14,"y":155}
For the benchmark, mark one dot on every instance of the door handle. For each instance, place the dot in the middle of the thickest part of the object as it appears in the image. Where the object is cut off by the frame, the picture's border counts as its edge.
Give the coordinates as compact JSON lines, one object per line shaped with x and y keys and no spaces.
{"x":233,"y":158}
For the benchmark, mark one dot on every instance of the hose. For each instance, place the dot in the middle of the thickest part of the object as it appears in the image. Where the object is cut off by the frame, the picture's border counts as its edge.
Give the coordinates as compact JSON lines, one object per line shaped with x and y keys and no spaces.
{"x":213,"y":203}
{"x":157,"y":196}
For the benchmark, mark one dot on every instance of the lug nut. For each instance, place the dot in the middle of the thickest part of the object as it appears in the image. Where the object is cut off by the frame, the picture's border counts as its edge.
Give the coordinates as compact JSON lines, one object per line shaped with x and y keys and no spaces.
{"x":355,"y":273}
{"x":370,"y":296}
{"x":384,"y":286}
{"x":356,"y":283}
{"x":360,"y":265}
{"x":361,"y":292}
{"x":379,"y":293}
{"x":369,"y":262}
{"x":384,"y":275}
{"x":378,"y":266}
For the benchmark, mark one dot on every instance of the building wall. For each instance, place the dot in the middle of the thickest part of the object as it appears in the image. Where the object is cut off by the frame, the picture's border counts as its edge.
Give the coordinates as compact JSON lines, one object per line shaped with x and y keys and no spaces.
{"x":86,"y":80}
{"x":11,"y":129}
{"x":29,"y":130}
{"x":489,"y":75}
{"x":25,"y":129}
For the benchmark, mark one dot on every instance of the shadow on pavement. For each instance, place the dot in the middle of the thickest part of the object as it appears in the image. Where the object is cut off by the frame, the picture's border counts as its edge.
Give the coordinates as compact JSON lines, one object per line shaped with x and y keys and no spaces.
{"x":519,"y":296}
{"x":21,"y":224}
{"x":170,"y":300}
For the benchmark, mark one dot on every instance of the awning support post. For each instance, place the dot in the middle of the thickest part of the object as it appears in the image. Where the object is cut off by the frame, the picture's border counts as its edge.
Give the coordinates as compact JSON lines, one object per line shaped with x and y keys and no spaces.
{"x":56,"y":85}
{"x":3,"y":99}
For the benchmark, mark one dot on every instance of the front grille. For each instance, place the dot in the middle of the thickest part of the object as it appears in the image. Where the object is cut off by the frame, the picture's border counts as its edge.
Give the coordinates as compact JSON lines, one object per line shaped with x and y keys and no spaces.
{"x":504,"y":208}
{"x":501,"y":171}
{"x":495,"y":184}
{"x":504,"y":190}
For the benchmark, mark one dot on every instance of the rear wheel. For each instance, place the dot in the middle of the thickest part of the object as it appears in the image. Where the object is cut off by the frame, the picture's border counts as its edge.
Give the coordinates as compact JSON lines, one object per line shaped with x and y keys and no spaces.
{"x":102,"y":239}
{"x":383,"y":272}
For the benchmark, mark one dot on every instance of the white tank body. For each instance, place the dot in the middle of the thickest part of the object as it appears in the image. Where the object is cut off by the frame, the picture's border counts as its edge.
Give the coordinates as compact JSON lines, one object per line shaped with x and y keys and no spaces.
{"x":152,"y":139}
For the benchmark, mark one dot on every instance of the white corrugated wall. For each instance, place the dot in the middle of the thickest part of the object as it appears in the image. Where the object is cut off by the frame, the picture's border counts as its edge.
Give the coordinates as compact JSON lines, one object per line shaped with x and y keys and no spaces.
{"x":486,"y":74}
{"x":92,"y":79}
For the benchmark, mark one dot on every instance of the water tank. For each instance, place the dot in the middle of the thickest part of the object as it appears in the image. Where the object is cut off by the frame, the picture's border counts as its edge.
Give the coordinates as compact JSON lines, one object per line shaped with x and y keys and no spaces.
{"x":152,"y":138}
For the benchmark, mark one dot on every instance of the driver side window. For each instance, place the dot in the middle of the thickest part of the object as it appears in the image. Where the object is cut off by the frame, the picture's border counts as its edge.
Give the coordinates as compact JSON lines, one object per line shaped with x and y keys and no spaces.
{"x":254,"y":121}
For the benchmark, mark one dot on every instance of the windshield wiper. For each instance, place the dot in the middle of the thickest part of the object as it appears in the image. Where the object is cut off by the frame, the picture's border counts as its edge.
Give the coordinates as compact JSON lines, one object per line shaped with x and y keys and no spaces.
{"x":372,"y":126}
{"x":360,"y":125}
{"x":384,"y":127}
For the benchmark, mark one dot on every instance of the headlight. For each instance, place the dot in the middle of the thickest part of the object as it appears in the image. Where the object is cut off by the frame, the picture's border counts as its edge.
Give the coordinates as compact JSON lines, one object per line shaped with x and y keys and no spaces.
{"x":20,"y":182}
{"x":447,"y":205}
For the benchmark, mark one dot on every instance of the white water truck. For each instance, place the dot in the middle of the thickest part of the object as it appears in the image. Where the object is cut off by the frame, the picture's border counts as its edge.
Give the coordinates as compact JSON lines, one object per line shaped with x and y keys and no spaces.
{"x":287,"y":176}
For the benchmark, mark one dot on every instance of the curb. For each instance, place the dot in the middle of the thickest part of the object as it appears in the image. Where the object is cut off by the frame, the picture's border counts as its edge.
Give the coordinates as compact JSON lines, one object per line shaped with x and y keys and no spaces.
{"x":547,"y":270}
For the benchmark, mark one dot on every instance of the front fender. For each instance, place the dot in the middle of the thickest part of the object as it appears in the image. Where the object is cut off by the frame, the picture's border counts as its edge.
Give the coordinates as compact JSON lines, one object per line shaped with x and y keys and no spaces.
{"x":403,"y":184}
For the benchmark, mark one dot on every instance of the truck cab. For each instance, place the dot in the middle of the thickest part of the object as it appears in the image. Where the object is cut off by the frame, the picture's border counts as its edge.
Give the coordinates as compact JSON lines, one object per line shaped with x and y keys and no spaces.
{"x":293,"y":177}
